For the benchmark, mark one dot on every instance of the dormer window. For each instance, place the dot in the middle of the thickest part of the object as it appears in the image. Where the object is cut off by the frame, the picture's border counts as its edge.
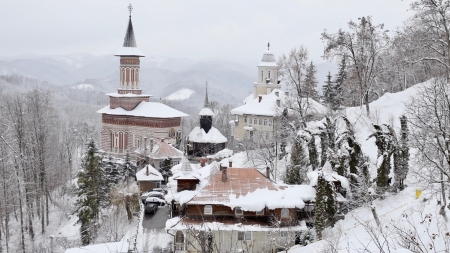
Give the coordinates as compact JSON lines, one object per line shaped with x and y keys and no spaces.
{"x":208,"y":209}
{"x":238,"y":211}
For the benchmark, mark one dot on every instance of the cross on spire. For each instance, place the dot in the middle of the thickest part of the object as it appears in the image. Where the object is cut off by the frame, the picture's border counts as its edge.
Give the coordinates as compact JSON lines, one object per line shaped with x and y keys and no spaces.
{"x":130,"y":8}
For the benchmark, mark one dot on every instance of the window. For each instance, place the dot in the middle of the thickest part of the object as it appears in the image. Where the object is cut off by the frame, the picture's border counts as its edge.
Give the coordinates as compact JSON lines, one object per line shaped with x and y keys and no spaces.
{"x":260,"y":122}
{"x":255,"y":121}
{"x":267,"y":136}
{"x":244,"y":235}
{"x":283,"y":233}
{"x":265,"y":122}
{"x":245,"y":119}
{"x":208,"y":209}
{"x":270,"y":122}
{"x":172,"y":133}
{"x":260,"y":212}
{"x":238,"y":211}
{"x":262,"y":76}
{"x":179,"y":241}
{"x":268,"y":74}
{"x":284,"y":213}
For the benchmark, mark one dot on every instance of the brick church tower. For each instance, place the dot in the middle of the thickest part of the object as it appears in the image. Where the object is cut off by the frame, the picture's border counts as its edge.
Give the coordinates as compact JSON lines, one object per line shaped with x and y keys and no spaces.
{"x":131,"y":121}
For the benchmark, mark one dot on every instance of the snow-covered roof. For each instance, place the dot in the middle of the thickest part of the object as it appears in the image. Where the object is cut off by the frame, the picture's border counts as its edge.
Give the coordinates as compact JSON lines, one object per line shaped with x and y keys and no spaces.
{"x":221,"y":154}
{"x":153,"y":174}
{"x":127,"y":95}
{"x":186,"y":171}
{"x":129,"y":51}
{"x":249,"y":189}
{"x":267,"y":106}
{"x":146,"y":109}
{"x":268,"y":60}
{"x":200,"y":136}
{"x":163,"y":150}
{"x":206,"y":112}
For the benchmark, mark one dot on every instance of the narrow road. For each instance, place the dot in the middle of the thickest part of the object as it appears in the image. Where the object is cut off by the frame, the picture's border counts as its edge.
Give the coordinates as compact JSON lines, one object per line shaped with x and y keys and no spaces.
{"x":155,"y":238}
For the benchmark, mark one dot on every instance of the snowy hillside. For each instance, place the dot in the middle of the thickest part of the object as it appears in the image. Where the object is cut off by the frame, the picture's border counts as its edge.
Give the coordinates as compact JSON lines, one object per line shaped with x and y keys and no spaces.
{"x":403,"y":217}
{"x":180,"y":94}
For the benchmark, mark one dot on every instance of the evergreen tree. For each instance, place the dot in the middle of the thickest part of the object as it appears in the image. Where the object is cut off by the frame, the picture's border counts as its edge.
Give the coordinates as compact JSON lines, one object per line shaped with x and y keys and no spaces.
{"x":337,"y":87}
{"x":92,"y":193}
{"x":313,"y":157}
{"x":320,"y":209}
{"x":310,"y":81}
{"x":331,"y":202}
{"x":327,"y":90}
{"x":112,"y":171}
{"x":166,"y":165}
{"x":296,"y":170}
{"x":128,"y":169}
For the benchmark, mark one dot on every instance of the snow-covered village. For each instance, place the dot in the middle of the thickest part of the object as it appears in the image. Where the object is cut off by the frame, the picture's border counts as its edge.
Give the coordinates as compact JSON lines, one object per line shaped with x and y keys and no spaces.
{"x":225,"y":126}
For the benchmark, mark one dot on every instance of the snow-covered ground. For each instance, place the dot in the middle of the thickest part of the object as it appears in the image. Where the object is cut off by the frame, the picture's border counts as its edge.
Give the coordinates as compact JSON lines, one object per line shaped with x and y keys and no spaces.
{"x":180,"y":94}
{"x":397,"y":211}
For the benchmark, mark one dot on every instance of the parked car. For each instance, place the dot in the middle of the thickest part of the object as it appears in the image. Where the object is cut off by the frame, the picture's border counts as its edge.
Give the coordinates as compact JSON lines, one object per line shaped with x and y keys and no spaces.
{"x":161,"y":190}
{"x":145,"y":195}
{"x":161,"y":202}
{"x":151,"y":207}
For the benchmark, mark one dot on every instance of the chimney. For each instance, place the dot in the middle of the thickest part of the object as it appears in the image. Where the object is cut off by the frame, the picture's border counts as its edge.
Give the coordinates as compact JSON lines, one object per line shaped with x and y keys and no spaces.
{"x":224,"y":174}
{"x":277,"y":93}
{"x":202,"y":162}
{"x":146,"y":170}
{"x":268,"y":172}
{"x":260,"y":98}
{"x":230,"y":162}
{"x":278,"y":102}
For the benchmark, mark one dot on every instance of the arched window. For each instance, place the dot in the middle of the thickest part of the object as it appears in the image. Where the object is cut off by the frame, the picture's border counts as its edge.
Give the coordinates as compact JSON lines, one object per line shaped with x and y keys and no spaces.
{"x":284,"y":213}
{"x":179,"y":241}
{"x":255,"y":121}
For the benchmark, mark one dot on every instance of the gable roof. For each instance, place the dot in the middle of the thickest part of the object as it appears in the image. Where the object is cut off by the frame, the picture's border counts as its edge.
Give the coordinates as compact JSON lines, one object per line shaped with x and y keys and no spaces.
{"x":153,"y":174}
{"x":200,"y":136}
{"x":163,"y":150}
{"x":247,"y":188}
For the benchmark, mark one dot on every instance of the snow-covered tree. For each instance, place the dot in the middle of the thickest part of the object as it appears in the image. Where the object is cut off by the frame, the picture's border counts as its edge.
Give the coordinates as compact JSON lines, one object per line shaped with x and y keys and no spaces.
{"x":310,"y":82}
{"x":327,"y":91}
{"x":298,"y":164}
{"x":361,"y":45}
{"x":128,"y":169}
{"x":91,"y":193}
{"x":403,"y":154}
{"x":166,"y":165}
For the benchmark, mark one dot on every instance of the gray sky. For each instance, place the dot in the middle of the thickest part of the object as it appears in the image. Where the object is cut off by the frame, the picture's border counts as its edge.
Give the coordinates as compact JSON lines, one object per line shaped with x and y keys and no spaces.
{"x":236,"y":30}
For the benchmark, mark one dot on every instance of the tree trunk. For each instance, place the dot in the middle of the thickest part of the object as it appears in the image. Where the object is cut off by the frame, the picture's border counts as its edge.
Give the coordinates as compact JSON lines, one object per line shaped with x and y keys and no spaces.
{"x":366,"y":102}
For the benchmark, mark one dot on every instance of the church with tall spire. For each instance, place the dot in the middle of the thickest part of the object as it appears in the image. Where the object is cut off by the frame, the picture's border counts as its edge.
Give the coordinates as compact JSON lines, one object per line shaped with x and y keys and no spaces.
{"x":131,"y":121}
{"x":205,"y":139}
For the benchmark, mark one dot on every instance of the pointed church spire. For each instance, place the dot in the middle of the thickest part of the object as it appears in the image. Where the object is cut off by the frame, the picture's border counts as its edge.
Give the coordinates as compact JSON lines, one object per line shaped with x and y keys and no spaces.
{"x":129,"y":40}
{"x":206,"y":104}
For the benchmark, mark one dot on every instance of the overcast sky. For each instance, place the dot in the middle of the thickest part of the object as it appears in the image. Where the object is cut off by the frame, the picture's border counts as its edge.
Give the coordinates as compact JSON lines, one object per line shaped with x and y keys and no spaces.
{"x":236,"y":30}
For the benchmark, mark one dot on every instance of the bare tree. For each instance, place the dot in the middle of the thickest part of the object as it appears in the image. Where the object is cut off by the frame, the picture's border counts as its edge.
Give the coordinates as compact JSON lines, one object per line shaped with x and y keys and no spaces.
{"x":362,"y":46}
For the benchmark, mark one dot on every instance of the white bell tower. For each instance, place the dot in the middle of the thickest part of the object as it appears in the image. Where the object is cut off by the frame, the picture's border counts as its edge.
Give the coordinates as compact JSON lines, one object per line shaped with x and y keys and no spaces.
{"x":267,"y":74}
